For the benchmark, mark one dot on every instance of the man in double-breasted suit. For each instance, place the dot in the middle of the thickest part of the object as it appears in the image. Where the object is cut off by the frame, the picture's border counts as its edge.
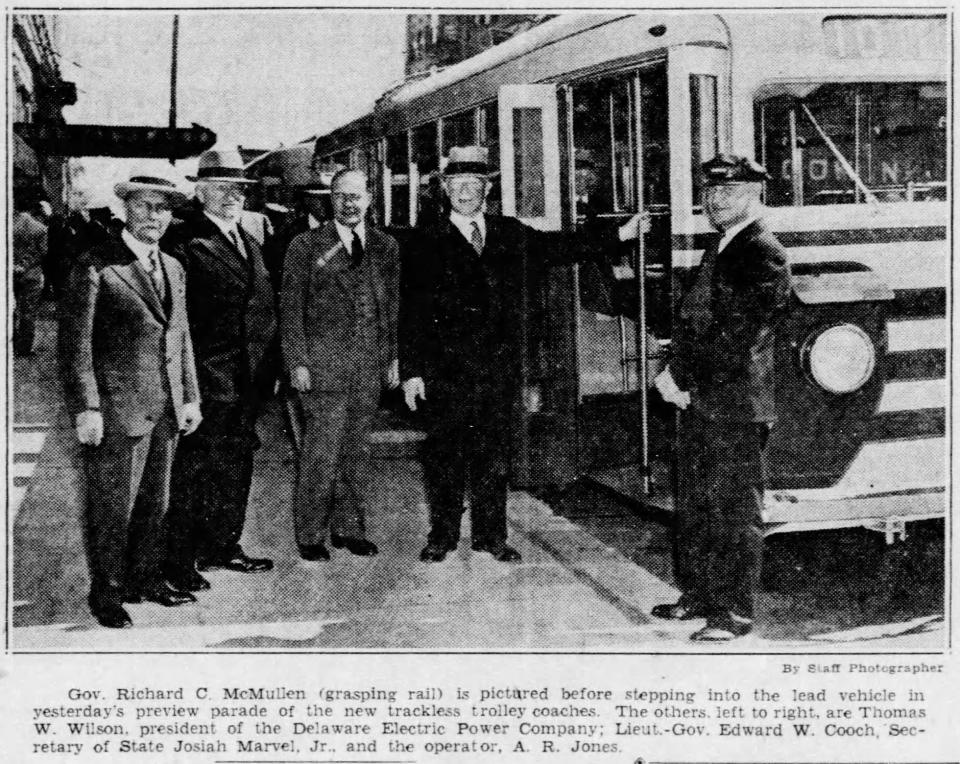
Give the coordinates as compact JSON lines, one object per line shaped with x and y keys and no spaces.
{"x":232,"y":311}
{"x":722,"y":376}
{"x":460,"y":346}
{"x":338,"y":313}
{"x":132,"y":388}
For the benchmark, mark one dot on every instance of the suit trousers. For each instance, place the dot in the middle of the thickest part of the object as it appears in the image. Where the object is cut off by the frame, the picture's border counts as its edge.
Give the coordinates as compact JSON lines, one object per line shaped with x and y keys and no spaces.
{"x":128,"y":492}
{"x":333,"y":470}
{"x":718,"y":542}
{"x":467,"y":450}
{"x":212,"y":471}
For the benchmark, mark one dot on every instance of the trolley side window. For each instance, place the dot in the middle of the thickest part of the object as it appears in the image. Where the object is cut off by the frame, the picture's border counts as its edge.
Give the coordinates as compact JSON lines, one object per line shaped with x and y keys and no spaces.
{"x":426,"y":159}
{"x":704,"y":127}
{"x":853,"y":143}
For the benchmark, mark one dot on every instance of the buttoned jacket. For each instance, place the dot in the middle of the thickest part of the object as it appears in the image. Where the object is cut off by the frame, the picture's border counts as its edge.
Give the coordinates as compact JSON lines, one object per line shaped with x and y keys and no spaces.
{"x":125,"y":351}
{"x":319,"y":308}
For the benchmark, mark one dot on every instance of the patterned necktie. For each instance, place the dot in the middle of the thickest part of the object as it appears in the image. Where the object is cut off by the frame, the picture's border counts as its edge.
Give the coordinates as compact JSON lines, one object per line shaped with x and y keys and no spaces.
{"x":476,"y":238}
{"x":235,"y":240}
{"x":356,"y":251}
{"x":156,"y":274}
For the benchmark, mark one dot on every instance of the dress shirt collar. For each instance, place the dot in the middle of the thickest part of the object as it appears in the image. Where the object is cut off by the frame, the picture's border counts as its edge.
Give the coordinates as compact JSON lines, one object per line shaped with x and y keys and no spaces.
{"x":227,"y":226}
{"x":346,"y":234}
{"x":141,"y":249}
{"x":465,"y":225}
{"x":733,"y":231}
{"x":313,"y":222}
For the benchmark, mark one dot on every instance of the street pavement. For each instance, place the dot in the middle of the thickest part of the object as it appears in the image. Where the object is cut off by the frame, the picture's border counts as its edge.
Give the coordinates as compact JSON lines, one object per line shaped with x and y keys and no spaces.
{"x":585,"y":584}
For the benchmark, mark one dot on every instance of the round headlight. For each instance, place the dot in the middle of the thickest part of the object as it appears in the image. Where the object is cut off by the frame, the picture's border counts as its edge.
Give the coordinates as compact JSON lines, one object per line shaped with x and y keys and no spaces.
{"x":841,"y":358}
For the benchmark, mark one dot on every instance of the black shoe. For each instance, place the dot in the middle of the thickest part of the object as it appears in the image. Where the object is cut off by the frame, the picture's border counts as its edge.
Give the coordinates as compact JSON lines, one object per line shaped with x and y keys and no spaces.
{"x":111,"y":615}
{"x":359,"y":547}
{"x":313,"y":552}
{"x":723,"y":630}
{"x":164,"y":595}
{"x":678,"y":611}
{"x":187,"y":581}
{"x":238,"y":562}
{"x":501,"y":551}
{"x":435,"y":552}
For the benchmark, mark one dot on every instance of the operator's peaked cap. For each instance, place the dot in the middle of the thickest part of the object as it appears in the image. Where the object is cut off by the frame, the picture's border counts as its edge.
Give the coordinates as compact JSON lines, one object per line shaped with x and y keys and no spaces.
{"x":730,"y":168}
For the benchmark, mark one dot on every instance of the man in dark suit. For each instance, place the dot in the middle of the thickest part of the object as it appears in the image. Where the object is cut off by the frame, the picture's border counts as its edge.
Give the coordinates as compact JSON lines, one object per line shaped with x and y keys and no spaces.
{"x":232,"y":312}
{"x":338,"y":313}
{"x":132,"y":388}
{"x":460,"y":346}
{"x":722,"y":376}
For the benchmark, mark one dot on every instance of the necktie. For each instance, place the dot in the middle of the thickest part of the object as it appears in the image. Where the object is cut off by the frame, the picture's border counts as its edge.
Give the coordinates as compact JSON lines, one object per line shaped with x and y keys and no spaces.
{"x":476,"y":238}
{"x":156,"y":274}
{"x":235,"y":240}
{"x":356,"y":251}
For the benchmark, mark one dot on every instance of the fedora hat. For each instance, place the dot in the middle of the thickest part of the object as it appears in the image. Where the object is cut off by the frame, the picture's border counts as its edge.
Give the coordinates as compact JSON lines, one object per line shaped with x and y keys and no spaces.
{"x":152,"y":176}
{"x":467,"y":160}
{"x":220,"y":165}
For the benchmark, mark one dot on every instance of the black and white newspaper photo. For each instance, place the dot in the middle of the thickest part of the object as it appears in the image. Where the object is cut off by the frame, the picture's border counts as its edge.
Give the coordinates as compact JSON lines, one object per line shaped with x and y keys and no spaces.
{"x":462,"y":383}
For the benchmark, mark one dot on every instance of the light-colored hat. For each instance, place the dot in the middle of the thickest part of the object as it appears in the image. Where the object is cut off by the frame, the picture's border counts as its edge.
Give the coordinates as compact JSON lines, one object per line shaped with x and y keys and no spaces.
{"x":467,"y":160}
{"x":156,"y":176}
{"x":220,"y":165}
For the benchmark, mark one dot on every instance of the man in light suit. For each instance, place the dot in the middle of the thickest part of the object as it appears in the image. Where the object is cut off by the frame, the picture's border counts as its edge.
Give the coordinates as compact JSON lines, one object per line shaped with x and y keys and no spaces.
{"x":232,"y":312}
{"x":132,"y":389}
{"x":338,"y":314}
{"x":722,"y":376}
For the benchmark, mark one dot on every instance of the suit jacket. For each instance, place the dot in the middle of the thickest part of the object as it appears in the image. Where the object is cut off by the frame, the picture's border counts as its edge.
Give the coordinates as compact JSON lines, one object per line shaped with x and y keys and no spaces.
{"x":725,"y":356}
{"x":123,"y":351}
{"x":276,"y":249}
{"x":462,"y":314}
{"x":231,"y":307}
{"x":318,"y":310}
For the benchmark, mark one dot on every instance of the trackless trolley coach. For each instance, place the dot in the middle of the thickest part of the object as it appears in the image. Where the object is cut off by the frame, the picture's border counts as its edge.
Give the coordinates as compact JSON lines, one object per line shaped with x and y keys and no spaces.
{"x":590,"y":117}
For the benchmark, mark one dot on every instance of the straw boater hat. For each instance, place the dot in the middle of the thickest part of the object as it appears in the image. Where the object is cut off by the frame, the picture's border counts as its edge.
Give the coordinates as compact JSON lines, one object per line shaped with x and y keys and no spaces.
{"x":219,"y":165}
{"x":152,"y":176}
{"x":467,"y":160}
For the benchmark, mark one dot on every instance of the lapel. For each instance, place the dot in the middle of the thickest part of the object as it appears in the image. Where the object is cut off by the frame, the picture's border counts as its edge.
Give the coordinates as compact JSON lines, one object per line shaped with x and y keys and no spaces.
{"x":136,"y":277}
{"x":329,"y":246}
{"x":222,"y":249}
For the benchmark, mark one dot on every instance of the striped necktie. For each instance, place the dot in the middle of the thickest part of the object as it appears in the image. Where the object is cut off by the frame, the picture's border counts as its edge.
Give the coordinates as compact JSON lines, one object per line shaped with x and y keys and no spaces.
{"x":156,"y":274}
{"x":476,"y":238}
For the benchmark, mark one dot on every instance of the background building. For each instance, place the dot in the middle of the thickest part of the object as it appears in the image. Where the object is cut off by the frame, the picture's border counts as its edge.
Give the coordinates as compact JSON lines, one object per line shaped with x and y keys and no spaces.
{"x":38,"y":94}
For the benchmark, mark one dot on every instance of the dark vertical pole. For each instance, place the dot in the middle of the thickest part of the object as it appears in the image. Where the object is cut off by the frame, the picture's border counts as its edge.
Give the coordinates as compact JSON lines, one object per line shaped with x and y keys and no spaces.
{"x":641,"y":282}
{"x":173,"y":79}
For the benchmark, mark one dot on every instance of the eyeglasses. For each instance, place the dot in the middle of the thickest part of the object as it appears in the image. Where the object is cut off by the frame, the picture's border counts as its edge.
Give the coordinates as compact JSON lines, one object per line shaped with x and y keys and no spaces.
{"x":142,"y":207}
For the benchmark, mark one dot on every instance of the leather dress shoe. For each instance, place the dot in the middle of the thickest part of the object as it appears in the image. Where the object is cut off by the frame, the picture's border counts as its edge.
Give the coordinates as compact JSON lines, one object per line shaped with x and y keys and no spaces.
{"x":163,"y":595}
{"x":238,"y":562}
{"x":435,"y":552}
{"x":359,"y":547}
{"x":111,"y":615}
{"x":722,"y":630}
{"x":500,"y":551}
{"x":313,"y":552}
{"x":678,"y":611}
{"x":187,"y":581}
